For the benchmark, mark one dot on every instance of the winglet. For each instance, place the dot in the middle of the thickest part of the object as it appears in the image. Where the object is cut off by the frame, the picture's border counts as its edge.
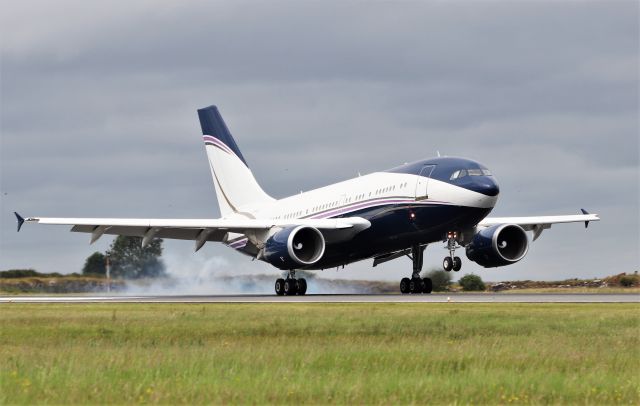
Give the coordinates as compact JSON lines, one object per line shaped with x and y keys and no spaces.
{"x":586,"y":223}
{"x":20,"y":220}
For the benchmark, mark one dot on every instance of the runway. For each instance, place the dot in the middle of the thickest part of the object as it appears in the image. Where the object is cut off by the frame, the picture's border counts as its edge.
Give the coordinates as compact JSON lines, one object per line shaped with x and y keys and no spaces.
{"x":345,"y":298}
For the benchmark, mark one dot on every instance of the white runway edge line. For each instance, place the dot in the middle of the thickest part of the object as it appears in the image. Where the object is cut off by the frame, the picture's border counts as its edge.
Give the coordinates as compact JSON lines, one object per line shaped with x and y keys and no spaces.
{"x":435,"y":298}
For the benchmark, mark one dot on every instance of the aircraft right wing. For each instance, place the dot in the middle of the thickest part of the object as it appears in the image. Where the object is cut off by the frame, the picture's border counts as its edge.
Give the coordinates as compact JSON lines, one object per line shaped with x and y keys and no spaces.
{"x":537,"y":224}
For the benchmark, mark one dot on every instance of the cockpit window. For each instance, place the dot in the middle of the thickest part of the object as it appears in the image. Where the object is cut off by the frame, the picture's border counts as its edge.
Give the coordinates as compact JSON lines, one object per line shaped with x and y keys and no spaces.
{"x":475,"y":172}
{"x":461,"y":173}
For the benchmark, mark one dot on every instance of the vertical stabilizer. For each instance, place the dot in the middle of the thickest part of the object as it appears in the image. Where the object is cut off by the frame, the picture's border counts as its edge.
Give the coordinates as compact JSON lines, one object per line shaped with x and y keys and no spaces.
{"x":236,"y":187}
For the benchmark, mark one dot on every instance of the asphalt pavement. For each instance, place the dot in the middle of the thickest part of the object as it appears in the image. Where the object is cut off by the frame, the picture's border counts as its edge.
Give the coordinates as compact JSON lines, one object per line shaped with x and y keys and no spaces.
{"x":343,"y":298}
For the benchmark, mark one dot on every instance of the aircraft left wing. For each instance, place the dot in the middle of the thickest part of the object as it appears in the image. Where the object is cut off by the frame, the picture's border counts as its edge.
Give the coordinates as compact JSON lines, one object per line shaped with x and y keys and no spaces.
{"x":199,"y":230}
{"x":537,"y":224}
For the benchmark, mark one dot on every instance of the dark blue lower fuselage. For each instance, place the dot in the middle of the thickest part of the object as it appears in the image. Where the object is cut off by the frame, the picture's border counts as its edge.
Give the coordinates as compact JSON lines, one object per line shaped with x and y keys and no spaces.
{"x":396,"y":227}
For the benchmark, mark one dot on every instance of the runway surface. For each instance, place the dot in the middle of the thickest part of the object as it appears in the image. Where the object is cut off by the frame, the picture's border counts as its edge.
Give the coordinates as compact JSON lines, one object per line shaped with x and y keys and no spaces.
{"x":345,"y":298}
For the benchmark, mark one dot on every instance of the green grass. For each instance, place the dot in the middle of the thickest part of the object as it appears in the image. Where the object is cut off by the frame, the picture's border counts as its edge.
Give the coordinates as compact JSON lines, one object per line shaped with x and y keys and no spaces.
{"x":572,"y":290}
{"x":320,"y":353}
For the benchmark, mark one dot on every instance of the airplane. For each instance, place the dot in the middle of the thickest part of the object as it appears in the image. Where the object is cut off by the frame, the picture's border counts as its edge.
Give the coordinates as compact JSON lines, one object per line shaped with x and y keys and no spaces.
{"x":381,"y":216}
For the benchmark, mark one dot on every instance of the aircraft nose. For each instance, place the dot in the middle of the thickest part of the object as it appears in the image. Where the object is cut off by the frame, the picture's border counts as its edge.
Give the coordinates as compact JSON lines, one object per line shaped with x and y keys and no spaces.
{"x":486,"y":185}
{"x":489,"y":187}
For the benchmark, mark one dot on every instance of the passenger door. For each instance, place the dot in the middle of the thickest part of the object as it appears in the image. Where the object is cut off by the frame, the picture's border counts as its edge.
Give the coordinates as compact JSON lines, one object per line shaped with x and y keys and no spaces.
{"x":423,"y":182}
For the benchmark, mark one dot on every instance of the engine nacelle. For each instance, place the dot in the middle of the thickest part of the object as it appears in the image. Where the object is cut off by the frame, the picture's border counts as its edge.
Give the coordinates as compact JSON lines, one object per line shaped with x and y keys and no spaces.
{"x":499,"y":245}
{"x":294,"y":247}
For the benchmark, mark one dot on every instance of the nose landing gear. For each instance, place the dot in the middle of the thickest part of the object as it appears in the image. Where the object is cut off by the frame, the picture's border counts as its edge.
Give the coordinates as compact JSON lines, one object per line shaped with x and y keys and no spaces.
{"x":452,"y":263}
{"x":416,"y":284}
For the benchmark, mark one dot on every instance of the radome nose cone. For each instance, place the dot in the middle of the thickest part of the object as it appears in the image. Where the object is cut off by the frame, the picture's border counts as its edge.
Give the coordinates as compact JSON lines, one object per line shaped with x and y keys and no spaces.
{"x":489,"y":187}
{"x":485,"y":185}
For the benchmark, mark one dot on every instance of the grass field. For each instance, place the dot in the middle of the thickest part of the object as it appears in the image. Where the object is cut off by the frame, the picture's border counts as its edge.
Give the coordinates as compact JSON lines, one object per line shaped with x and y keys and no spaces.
{"x":562,"y":291}
{"x":320,"y":353}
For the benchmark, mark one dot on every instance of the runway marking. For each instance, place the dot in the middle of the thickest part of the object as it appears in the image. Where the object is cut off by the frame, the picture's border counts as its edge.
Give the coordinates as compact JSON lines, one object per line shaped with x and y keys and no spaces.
{"x":345,"y":298}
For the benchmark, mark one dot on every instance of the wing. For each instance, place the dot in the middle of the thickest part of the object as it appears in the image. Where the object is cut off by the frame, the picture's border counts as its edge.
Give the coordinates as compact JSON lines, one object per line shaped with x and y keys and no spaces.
{"x":538,"y":224}
{"x":199,"y":230}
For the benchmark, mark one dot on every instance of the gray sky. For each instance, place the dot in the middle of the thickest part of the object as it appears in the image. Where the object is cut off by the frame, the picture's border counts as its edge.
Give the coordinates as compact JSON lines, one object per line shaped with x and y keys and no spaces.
{"x":98,"y":115}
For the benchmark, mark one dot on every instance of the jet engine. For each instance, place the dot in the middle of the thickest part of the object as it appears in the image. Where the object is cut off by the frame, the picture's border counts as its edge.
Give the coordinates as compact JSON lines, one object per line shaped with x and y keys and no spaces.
{"x":499,"y":245}
{"x":294,"y":247}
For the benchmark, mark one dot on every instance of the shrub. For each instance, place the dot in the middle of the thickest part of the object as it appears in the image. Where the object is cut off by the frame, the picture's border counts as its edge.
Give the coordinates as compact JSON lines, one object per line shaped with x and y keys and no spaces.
{"x":471,"y":282}
{"x":19,"y":273}
{"x":27,"y":273}
{"x":441,"y":280}
{"x":629,"y":280}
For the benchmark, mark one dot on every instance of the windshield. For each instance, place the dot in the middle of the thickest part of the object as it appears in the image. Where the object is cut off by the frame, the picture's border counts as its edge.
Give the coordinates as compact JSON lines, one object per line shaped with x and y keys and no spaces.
{"x":461,"y":173}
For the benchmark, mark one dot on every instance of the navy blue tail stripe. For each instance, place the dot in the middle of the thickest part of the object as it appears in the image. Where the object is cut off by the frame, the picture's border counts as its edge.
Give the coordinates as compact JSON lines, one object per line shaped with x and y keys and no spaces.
{"x":212,"y":124}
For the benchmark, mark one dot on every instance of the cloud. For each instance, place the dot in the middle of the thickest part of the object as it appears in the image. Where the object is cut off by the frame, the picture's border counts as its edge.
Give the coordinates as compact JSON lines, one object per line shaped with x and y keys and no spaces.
{"x":98,"y":113}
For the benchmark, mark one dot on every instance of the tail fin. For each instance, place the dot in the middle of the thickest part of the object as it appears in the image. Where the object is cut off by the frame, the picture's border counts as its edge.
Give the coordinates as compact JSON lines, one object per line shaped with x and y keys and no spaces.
{"x":235,"y":185}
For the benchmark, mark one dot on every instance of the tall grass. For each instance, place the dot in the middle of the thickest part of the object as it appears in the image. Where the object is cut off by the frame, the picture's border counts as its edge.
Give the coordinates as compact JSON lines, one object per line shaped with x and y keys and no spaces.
{"x":315,"y":353}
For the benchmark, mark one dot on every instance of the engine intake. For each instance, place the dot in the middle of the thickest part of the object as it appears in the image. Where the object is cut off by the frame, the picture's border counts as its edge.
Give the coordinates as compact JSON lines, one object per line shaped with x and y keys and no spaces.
{"x":499,"y":245}
{"x":294,"y":247}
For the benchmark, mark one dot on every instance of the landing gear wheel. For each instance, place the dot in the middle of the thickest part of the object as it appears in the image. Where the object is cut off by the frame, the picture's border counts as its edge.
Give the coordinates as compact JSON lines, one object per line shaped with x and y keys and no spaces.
{"x":427,"y":285}
{"x":404,"y":285}
{"x":457,"y":264}
{"x":447,"y":264}
{"x":415,"y":285}
{"x":302,"y":286}
{"x":290,"y":286}
{"x":280,"y":287}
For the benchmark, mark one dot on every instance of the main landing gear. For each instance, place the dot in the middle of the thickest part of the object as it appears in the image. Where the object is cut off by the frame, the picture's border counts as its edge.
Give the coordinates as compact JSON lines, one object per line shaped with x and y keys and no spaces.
{"x":291,"y":286}
{"x":452,"y":263}
{"x":416,"y":284}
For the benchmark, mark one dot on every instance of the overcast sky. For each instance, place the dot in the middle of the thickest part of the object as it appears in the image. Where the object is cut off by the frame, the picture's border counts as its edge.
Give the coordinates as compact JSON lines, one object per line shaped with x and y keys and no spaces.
{"x":99,"y":99}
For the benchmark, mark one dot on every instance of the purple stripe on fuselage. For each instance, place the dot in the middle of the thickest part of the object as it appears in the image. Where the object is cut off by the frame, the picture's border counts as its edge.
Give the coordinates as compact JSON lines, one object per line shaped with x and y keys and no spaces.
{"x":241,"y":243}
{"x":372,"y":203}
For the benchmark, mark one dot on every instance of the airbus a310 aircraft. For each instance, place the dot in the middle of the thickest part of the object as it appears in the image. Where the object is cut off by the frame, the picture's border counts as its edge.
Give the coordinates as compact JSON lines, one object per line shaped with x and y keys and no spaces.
{"x":383,"y":215}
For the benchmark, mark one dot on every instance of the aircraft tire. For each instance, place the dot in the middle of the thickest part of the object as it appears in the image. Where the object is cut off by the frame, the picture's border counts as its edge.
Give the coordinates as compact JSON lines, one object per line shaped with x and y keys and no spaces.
{"x":415,"y":285}
{"x":447,"y":264}
{"x":457,"y":264}
{"x":427,"y":285}
{"x":290,"y":287}
{"x":280,"y":287}
{"x":302,"y":286}
{"x":404,"y":285}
